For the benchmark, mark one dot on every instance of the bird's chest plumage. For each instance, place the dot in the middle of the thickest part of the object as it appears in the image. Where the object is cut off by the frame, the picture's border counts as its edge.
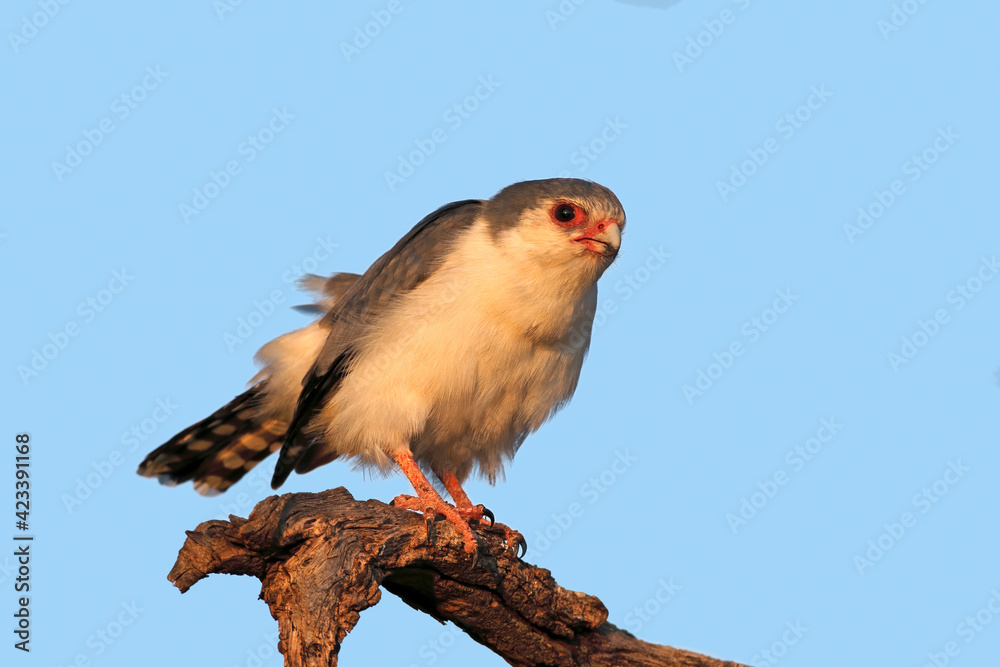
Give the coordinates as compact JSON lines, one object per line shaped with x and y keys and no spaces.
{"x":494,"y":375}
{"x":469,"y":363}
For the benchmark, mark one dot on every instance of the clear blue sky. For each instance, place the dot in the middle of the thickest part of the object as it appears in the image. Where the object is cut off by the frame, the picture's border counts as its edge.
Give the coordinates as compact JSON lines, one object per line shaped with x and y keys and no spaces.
{"x":785,"y":436}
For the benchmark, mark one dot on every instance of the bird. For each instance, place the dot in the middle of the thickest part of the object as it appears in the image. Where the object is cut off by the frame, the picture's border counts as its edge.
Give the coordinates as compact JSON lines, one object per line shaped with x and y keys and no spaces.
{"x":439,"y":360}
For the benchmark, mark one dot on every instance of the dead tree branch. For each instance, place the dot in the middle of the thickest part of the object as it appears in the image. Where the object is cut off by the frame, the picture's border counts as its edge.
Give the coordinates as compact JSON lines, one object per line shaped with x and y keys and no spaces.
{"x":322,"y":557}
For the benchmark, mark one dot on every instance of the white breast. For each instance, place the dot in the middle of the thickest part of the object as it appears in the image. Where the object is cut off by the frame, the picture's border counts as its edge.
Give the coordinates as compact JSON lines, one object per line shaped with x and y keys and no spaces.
{"x":468,"y":364}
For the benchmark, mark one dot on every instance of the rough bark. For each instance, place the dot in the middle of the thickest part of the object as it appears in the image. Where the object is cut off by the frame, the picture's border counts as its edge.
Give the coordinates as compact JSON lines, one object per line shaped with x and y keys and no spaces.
{"x":322,"y":557}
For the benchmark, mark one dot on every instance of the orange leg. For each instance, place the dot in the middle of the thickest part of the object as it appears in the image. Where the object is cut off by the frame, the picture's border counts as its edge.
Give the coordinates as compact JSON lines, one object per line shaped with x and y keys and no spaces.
{"x":472,"y":512}
{"x":429,"y":501}
{"x":450,"y":481}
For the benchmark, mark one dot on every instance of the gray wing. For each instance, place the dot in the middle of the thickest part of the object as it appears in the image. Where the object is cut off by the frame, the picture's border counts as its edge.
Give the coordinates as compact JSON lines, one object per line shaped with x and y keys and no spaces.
{"x":405,"y":266}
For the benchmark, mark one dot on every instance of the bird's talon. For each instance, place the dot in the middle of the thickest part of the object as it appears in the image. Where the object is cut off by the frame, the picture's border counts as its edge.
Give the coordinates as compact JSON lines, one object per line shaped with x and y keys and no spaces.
{"x":513,"y":539}
{"x":520,"y":545}
{"x":431,"y":510}
{"x":430,"y":518}
{"x":489,"y":515}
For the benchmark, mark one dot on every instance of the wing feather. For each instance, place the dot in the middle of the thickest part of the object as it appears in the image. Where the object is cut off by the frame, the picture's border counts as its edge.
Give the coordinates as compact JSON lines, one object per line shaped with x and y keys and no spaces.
{"x":406,"y":265}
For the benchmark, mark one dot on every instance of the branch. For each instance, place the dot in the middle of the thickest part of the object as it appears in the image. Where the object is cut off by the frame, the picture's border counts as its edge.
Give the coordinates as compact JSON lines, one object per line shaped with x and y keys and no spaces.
{"x":321,"y":558}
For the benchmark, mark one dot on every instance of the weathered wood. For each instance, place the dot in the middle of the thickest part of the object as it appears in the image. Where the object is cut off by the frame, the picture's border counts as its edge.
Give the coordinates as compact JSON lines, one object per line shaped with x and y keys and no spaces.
{"x":322,"y":558}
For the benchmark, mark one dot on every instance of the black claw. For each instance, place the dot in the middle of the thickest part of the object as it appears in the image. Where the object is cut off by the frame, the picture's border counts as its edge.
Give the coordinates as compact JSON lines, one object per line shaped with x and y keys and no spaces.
{"x":489,"y":515}
{"x":430,"y":523}
{"x":520,"y":545}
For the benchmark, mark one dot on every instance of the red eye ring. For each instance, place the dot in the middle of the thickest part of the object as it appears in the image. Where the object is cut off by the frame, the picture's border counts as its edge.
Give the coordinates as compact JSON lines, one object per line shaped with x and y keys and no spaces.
{"x":565,"y":214}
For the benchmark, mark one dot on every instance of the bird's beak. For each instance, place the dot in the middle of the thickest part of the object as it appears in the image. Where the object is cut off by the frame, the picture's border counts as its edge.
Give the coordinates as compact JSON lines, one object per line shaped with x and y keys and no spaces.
{"x":604,"y":238}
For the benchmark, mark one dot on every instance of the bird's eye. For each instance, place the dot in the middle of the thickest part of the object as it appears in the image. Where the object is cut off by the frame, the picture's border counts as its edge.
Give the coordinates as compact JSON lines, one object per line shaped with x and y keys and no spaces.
{"x":565,"y":213}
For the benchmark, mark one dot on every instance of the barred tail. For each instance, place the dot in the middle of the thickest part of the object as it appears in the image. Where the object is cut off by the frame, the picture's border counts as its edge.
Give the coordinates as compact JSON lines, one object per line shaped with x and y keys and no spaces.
{"x":217,"y":451}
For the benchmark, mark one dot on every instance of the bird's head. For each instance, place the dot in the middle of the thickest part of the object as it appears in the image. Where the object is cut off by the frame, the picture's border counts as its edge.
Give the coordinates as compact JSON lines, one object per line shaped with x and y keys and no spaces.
{"x":567,"y":223}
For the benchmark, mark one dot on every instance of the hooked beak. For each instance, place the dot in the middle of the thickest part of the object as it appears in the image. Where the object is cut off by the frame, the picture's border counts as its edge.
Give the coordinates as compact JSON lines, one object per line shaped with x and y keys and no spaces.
{"x":604,"y":238}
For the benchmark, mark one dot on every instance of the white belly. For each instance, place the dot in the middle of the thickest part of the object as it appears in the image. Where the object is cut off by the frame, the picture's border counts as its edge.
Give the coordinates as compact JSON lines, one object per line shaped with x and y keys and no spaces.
{"x":460,"y":371}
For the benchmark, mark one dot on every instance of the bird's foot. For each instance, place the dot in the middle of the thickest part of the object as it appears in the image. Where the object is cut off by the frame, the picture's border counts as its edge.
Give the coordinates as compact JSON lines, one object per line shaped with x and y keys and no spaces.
{"x":515,"y":540}
{"x":475,"y":513}
{"x":480,"y":514}
{"x":431,"y":507}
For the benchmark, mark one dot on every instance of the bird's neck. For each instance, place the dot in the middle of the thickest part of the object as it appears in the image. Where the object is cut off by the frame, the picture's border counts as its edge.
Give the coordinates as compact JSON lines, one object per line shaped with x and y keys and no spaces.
{"x":546,"y":302}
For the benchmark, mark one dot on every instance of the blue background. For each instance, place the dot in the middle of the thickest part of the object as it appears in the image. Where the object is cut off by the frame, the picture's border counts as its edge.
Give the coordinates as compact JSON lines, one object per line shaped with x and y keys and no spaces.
{"x":595,"y":90}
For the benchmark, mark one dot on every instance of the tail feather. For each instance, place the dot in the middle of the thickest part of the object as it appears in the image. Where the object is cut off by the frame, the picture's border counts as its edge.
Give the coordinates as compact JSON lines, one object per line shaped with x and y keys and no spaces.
{"x":219,"y":450}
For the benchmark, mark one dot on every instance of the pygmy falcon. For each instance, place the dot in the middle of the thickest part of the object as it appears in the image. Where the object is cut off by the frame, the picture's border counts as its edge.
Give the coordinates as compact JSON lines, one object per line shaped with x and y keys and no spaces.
{"x":439,"y":359}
